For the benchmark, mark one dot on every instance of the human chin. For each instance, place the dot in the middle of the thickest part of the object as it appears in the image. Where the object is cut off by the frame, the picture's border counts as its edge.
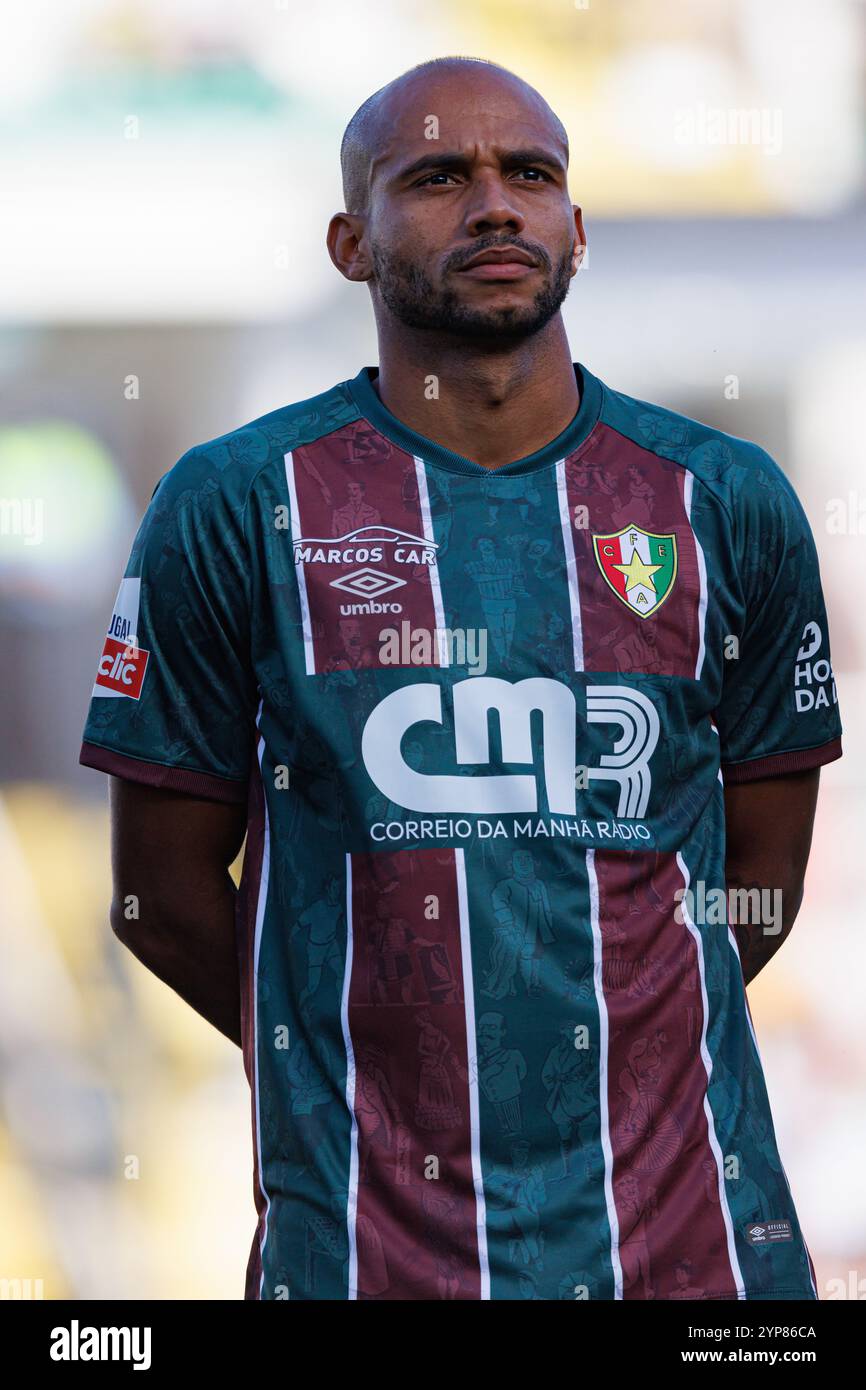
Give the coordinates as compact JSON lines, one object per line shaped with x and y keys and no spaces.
{"x":500,"y":324}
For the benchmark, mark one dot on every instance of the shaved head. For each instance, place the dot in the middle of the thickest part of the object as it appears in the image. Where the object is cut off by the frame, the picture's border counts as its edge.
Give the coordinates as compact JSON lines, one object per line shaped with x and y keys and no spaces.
{"x":458,"y":159}
{"x":363,"y":135}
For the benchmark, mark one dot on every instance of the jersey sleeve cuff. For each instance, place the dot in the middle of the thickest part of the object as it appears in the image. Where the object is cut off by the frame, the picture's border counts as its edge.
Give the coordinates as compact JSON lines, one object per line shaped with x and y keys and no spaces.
{"x":176,"y":779}
{"x":777,"y":764}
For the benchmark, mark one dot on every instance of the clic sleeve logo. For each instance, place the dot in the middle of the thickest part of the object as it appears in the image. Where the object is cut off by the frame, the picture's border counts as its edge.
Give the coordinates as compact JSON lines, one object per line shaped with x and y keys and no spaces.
{"x":123,"y":662}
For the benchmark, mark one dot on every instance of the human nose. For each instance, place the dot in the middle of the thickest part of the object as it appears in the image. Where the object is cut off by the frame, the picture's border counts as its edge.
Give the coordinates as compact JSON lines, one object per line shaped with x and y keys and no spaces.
{"x":490,"y":208}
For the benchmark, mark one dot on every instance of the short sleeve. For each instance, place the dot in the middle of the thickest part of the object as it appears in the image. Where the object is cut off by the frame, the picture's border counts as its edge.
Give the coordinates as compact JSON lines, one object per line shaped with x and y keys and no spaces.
{"x":174,"y":702}
{"x":778,"y":712}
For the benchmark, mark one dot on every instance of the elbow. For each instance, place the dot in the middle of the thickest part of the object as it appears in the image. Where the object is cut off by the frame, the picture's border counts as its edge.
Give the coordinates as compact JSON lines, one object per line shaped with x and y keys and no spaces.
{"x":123,"y":921}
{"x":128,"y":928}
{"x":793,"y":901}
{"x":779,"y":913}
{"x":764,"y":893}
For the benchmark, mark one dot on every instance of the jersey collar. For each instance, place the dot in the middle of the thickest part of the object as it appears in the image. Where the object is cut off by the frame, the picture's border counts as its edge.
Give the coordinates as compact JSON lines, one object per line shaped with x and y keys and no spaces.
{"x":371,"y":407}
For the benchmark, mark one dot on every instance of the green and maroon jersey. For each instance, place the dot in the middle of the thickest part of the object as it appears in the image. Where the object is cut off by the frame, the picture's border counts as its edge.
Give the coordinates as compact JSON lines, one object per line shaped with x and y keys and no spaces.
{"x":493,"y":1012}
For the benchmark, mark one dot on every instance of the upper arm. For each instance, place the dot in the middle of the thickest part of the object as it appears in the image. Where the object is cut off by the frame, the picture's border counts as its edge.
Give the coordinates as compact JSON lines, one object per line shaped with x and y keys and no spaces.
{"x":172,"y":714}
{"x":170,"y":848}
{"x":174,"y":700}
{"x":768,"y":830}
{"x":153,"y":827}
{"x":778,"y":712}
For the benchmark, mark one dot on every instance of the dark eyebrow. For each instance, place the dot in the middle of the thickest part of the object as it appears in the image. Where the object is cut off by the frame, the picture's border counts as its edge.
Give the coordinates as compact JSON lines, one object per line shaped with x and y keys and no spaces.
{"x":459,"y":163}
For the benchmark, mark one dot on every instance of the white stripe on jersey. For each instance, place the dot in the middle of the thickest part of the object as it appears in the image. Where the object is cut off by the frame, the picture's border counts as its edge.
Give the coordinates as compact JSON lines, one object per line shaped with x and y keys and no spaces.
{"x":352,"y":1203}
{"x":570,"y":565}
{"x":639,"y":596}
{"x":472,"y":1058}
{"x":688,"y":486}
{"x":435,"y":589}
{"x":309,"y":651}
{"x":261,"y":903}
{"x":604,"y":1116}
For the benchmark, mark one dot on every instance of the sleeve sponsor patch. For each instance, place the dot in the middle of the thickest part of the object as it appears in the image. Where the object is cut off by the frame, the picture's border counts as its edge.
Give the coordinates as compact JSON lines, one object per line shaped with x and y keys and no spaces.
{"x":123,"y":662}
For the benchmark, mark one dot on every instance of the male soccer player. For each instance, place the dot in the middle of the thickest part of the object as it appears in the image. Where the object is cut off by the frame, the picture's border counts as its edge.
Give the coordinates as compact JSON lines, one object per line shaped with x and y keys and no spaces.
{"x":505,"y":675}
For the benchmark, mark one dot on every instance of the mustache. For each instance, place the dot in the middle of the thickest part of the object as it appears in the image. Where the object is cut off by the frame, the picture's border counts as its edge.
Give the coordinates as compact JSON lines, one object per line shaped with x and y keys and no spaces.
{"x":460,"y":258}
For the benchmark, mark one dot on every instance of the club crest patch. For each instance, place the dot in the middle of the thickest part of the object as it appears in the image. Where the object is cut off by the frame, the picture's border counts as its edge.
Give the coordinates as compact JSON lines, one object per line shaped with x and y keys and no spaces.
{"x":639,"y":566}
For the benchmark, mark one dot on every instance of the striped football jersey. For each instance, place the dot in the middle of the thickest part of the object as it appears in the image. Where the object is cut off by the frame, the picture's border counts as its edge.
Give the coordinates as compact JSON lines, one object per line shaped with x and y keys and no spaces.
{"x":494,"y":1018}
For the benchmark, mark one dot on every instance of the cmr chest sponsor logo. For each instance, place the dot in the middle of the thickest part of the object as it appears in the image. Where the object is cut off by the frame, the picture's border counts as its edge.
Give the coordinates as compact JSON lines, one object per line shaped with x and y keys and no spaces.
{"x":123,"y":662}
{"x":626,"y":763}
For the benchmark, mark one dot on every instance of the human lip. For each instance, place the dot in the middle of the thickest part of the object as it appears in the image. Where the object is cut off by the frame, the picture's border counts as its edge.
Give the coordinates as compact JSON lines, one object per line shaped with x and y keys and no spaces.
{"x":508,"y":263}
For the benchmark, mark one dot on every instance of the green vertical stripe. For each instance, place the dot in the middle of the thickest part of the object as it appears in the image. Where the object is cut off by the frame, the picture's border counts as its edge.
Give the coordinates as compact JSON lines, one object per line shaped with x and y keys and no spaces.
{"x":542,"y":1162}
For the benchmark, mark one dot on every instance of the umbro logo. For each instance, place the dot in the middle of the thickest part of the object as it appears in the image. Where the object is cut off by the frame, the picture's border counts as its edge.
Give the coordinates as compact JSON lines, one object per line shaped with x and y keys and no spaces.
{"x":368,"y":583}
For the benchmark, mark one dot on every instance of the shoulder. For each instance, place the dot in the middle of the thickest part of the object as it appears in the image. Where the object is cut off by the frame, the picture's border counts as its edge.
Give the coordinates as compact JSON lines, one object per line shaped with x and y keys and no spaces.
{"x":738,"y":472}
{"x":224,"y":468}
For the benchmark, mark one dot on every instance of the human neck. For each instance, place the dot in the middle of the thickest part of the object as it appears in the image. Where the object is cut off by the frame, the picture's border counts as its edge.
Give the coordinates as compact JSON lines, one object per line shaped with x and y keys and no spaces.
{"x":492,"y":408}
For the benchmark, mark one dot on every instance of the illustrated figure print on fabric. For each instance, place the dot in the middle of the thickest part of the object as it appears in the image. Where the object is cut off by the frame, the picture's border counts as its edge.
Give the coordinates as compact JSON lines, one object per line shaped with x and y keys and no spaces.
{"x":482,"y":722}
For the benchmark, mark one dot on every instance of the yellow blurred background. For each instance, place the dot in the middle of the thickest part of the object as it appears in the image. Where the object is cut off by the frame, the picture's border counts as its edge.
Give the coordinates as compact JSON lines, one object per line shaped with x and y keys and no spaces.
{"x":167,"y":169}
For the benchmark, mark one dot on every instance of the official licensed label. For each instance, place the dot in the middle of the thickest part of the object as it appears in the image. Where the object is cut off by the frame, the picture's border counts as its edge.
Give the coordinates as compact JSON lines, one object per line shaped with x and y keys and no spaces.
{"x":768,"y":1232}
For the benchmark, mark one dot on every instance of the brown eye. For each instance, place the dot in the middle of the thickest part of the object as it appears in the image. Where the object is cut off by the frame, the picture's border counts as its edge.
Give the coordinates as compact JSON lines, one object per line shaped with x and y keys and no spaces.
{"x":429,"y":178}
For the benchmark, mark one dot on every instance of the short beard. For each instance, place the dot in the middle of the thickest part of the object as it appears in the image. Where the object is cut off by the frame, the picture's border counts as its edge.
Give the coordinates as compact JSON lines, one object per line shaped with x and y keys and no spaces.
{"x":408,"y":293}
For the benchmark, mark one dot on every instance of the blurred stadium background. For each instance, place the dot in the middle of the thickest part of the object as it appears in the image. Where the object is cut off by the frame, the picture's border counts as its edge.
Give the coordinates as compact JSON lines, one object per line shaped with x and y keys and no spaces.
{"x":168,"y":169}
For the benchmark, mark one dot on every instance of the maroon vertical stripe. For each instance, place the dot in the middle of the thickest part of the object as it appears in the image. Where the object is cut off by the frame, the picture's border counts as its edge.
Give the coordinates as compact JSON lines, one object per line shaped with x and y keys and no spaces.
{"x":665,"y":1176}
{"x":245,"y":923}
{"x":360,"y":518}
{"x":622,"y":485}
{"x":416,"y":1229}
